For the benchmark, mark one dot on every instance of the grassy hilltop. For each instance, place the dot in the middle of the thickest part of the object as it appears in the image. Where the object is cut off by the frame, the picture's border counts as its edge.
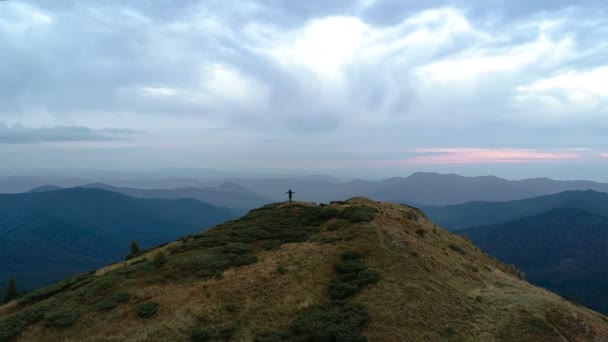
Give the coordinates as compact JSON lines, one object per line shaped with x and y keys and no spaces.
{"x":349,"y":271}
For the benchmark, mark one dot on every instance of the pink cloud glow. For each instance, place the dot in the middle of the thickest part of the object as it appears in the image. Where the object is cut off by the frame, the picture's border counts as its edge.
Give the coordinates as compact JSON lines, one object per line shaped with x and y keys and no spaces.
{"x":487,"y":156}
{"x":604,"y":155}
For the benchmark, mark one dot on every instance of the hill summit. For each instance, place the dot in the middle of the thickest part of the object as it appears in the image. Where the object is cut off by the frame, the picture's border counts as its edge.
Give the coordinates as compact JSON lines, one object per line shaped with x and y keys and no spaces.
{"x":348,"y":271}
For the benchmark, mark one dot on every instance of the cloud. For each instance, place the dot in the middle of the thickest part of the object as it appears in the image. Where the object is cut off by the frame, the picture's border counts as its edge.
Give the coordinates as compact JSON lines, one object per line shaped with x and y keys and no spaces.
{"x":362,"y":76}
{"x":17,"y":134}
{"x":574,"y":92}
{"x":483,"y":156}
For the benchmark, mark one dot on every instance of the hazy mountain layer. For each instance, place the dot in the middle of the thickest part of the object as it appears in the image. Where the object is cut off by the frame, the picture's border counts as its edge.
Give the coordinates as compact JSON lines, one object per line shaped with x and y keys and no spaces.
{"x":473,"y":214}
{"x":226,"y":195}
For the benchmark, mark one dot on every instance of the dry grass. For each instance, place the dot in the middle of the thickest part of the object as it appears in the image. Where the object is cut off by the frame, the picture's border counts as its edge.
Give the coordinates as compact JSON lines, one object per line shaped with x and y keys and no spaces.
{"x":429,"y":292}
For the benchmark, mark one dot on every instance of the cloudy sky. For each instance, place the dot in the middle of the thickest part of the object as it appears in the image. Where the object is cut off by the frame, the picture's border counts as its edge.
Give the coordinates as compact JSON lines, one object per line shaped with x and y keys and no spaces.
{"x":368,"y":88}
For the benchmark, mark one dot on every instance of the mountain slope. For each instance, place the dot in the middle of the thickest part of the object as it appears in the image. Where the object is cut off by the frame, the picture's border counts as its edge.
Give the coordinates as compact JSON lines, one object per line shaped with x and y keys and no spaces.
{"x":226,"y":195}
{"x":304,"y":272}
{"x":47,"y":235}
{"x":564,"y":250}
{"x":474,"y":214}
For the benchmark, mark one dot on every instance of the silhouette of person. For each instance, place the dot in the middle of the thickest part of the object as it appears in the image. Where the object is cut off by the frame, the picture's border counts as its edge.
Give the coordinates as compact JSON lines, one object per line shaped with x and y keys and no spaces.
{"x":290,"y":194}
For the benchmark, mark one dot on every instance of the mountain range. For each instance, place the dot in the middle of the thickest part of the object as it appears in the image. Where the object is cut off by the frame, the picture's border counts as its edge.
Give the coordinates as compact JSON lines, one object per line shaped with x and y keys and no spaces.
{"x":45,"y":236}
{"x":353,"y":270}
{"x":228,"y":195}
{"x":421,"y":188}
{"x":480,"y":213}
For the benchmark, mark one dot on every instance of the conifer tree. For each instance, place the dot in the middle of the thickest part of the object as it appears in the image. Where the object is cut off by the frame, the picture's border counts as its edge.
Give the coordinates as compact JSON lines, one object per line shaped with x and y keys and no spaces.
{"x":134,"y":249}
{"x":11,"y":291}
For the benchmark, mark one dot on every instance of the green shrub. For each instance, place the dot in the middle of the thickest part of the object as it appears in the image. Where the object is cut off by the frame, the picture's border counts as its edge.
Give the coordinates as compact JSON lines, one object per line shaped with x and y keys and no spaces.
{"x":358,"y":213}
{"x":347,"y":277}
{"x":311,"y":216}
{"x":159,"y":259}
{"x":337,"y":225}
{"x":281,"y":269}
{"x":349,"y":266}
{"x":245,"y":259}
{"x":351,"y":256}
{"x":329,"y":213}
{"x":113,"y":301}
{"x":13,"y":325}
{"x":271,"y":337}
{"x":334,"y":321}
{"x":147,"y":310}
{"x":62,"y":319}
{"x":233,"y":248}
{"x":366,"y":277}
{"x":457,"y":249}
{"x":341,"y":290}
{"x":97,"y":289}
{"x":421,"y":232}
{"x":271,"y":244}
{"x":227,"y":334}
{"x":353,"y":275}
{"x":200,"y":334}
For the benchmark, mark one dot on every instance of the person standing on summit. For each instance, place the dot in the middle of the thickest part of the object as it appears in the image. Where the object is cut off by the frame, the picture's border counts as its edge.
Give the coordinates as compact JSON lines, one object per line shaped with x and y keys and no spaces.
{"x":290,"y":194}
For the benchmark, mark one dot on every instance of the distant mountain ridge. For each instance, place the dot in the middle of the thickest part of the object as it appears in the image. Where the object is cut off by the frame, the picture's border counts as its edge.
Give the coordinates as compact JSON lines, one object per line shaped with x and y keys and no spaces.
{"x":227,"y":194}
{"x":564,"y":250}
{"x":47,"y":235}
{"x":480,"y":213}
{"x":420,"y":188}
{"x":444,"y":189}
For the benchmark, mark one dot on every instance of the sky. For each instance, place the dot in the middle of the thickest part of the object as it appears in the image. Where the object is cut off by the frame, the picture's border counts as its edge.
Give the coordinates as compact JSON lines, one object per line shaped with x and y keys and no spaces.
{"x":368,"y":88}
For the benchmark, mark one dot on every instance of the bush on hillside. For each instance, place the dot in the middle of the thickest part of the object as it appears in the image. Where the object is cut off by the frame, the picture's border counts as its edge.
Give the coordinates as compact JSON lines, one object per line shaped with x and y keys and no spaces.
{"x":341,"y":290}
{"x":159,"y":259}
{"x":366,"y":277}
{"x":63,"y":318}
{"x":333,"y":321}
{"x":200,"y":334}
{"x":349,"y":266}
{"x":358,"y":213}
{"x":457,"y":249}
{"x":12,"y":326}
{"x":271,"y":337}
{"x":113,"y":301}
{"x":147,"y":310}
